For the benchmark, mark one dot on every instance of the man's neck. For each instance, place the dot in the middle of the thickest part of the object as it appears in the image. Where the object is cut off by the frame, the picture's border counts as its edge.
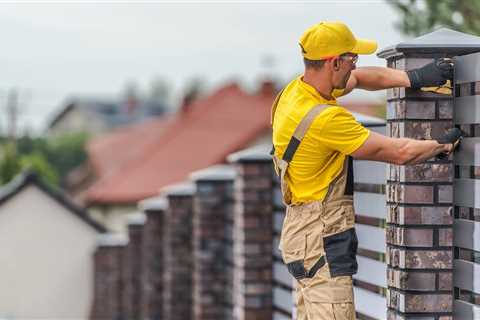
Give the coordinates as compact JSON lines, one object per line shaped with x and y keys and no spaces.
{"x":323,"y":87}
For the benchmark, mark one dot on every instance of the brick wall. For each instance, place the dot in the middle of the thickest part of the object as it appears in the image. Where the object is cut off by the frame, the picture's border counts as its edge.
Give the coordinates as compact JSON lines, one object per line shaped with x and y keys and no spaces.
{"x":253,"y":236}
{"x":108,"y":283}
{"x":419,"y":198}
{"x":134,"y":293}
{"x":178,"y":253}
{"x":153,"y":260}
{"x":212,"y":214}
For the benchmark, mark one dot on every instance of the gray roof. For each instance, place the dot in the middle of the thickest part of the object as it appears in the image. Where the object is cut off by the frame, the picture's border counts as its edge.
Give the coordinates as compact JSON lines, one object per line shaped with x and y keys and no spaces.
{"x":179,"y":189}
{"x":112,"y":240}
{"x":256,"y":153}
{"x":113,"y":112}
{"x":157,"y":203}
{"x":216,"y":173}
{"x":442,"y":40}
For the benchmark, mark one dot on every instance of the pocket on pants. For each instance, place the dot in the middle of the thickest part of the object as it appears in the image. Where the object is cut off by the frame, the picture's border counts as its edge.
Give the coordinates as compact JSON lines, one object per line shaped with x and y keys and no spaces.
{"x":341,"y":251}
{"x":293,"y":248}
{"x":344,"y":311}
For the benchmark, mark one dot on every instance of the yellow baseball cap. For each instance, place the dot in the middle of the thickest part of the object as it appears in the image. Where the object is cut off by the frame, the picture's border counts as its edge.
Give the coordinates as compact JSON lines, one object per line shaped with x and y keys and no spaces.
{"x":329,"y":39}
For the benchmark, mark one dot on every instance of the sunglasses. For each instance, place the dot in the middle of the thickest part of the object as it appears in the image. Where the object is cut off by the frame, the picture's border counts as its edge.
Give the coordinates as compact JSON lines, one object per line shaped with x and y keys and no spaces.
{"x":353,"y":58}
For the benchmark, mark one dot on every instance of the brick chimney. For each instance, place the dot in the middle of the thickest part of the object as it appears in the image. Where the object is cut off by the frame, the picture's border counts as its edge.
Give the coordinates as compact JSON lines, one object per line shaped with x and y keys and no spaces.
{"x":108,"y":282}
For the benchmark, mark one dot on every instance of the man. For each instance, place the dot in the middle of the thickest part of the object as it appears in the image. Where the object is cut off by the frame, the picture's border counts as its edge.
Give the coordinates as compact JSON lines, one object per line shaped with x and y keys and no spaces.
{"x":314,"y":142}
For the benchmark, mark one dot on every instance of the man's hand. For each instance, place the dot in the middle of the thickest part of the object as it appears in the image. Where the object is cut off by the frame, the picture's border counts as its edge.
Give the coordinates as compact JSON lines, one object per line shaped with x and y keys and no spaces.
{"x":451,"y":140}
{"x":433,"y":74}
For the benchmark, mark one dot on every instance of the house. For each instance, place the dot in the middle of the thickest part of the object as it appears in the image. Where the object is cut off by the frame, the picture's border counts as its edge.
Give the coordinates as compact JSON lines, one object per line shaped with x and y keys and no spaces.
{"x":95,"y":115}
{"x":46,"y":247}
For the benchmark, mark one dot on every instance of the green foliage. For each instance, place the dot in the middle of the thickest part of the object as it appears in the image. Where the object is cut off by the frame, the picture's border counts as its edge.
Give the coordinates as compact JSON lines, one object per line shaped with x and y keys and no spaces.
{"x":12,"y":163}
{"x":51,"y":158}
{"x":37,"y":162}
{"x":422,"y":16}
{"x":9,"y":164}
{"x":66,"y":152}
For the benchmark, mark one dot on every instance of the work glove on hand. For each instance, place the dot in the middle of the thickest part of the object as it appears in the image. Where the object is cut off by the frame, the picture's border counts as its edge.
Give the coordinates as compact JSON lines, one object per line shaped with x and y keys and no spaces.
{"x":433,"y":74}
{"x":453,"y":136}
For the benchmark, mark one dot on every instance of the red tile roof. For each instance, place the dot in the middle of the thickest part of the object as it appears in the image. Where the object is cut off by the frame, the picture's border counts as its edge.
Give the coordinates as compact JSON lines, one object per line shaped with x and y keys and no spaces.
{"x":107,"y":153}
{"x":133,"y":164}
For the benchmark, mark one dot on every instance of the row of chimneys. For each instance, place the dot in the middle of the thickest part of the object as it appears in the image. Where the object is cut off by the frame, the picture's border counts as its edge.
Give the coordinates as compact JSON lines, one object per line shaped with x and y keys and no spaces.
{"x":201,"y":250}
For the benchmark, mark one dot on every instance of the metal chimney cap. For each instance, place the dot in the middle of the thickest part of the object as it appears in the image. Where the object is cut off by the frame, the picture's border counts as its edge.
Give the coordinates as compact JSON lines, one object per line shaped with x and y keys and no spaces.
{"x":442,"y":40}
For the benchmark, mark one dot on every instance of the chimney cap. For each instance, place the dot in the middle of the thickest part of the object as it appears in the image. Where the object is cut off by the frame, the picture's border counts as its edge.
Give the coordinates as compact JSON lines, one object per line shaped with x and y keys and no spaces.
{"x":442,"y":40}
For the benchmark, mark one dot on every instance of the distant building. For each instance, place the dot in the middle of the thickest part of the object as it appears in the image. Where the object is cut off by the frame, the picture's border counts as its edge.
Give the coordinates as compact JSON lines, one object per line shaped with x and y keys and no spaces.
{"x":46,"y":247}
{"x":97,"y":116}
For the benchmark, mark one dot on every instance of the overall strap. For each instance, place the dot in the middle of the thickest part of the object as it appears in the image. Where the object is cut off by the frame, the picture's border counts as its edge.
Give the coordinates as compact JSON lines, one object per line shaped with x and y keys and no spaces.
{"x":300,"y":131}
{"x":341,"y":188}
{"x":281,"y":165}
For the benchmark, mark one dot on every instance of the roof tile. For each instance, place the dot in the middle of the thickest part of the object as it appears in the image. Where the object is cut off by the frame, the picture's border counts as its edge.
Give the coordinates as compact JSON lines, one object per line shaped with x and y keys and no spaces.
{"x":143,"y":159}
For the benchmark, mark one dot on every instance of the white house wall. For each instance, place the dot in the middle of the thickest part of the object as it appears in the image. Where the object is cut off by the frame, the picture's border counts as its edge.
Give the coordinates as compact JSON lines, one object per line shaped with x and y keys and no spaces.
{"x":77,"y":121}
{"x":114,"y":218}
{"x":46,"y":266}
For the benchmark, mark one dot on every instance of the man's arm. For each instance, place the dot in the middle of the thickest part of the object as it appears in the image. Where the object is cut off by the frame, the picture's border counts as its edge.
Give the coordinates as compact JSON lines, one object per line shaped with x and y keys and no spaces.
{"x":435,"y":73}
{"x":376,"y":78}
{"x":400,"y":151}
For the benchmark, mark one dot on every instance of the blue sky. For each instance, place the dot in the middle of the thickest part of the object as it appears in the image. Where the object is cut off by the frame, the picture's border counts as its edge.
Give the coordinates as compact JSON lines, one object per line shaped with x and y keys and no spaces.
{"x":57,"y":49}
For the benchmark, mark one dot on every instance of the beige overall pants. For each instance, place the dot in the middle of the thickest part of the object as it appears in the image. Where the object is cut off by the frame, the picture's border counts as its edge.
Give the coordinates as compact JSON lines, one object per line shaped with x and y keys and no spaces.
{"x":318,"y":241}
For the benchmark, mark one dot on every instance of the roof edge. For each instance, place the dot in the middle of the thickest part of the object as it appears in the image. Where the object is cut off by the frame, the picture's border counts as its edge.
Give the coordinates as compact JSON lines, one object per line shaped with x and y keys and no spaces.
{"x":179,"y":189}
{"x":259,"y":153}
{"x":136,"y":219}
{"x":112,"y":240}
{"x":157,"y":203}
{"x":221,"y":172}
{"x":29,"y":177}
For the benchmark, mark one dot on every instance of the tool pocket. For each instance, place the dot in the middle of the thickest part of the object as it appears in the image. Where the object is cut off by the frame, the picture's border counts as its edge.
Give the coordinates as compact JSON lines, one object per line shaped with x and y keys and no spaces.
{"x":293,"y":248}
{"x":341,"y":251}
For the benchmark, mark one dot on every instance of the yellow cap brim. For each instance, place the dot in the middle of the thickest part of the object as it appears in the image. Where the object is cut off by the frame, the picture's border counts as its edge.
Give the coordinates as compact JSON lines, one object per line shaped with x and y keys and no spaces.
{"x":364,"y":46}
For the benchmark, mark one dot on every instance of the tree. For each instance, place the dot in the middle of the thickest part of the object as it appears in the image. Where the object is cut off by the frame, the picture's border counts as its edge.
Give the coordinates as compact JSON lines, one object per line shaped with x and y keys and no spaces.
{"x":422,"y":16}
{"x":66,"y":152}
{"x":9,"y":164}
{"x":52,"y":158}
{"x":37,"y":162}
{"x":12,"y":163}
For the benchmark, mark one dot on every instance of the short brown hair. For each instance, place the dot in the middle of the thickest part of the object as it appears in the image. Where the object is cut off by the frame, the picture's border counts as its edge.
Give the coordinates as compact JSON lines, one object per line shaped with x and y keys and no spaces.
{"x":314,"y":64}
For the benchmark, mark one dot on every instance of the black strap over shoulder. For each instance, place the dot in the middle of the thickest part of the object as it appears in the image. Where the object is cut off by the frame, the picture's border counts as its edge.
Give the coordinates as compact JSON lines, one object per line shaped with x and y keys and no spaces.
{"x":292,"y":147}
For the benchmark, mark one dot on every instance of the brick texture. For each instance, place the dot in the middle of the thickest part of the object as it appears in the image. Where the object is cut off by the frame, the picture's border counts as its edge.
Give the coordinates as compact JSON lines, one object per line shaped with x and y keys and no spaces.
{"x":108,"y":282}
{"x":133,"y":273}
{"x":253,"y":211}
{"x":178,"y":258}
{"x":153,"y":260}
{"x":213,"y":205}
{"x":419,"y":206}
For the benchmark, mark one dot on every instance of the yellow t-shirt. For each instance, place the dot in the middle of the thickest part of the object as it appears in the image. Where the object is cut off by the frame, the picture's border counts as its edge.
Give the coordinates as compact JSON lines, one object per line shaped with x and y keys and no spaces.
{"x":333,"y":134}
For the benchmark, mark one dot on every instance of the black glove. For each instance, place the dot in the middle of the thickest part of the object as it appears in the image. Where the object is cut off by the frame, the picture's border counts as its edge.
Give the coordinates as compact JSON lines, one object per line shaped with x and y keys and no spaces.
{"x":433,"y":74}
{"x":453,"y":136}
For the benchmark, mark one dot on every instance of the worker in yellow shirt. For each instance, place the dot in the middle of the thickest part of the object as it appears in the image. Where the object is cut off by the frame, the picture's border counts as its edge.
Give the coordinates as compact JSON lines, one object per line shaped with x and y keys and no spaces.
{"x":314,"y":141}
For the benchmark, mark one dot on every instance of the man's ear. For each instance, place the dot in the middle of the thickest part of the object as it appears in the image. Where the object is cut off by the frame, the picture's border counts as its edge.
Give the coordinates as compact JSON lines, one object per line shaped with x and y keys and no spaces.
{"x":336,"y":64}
